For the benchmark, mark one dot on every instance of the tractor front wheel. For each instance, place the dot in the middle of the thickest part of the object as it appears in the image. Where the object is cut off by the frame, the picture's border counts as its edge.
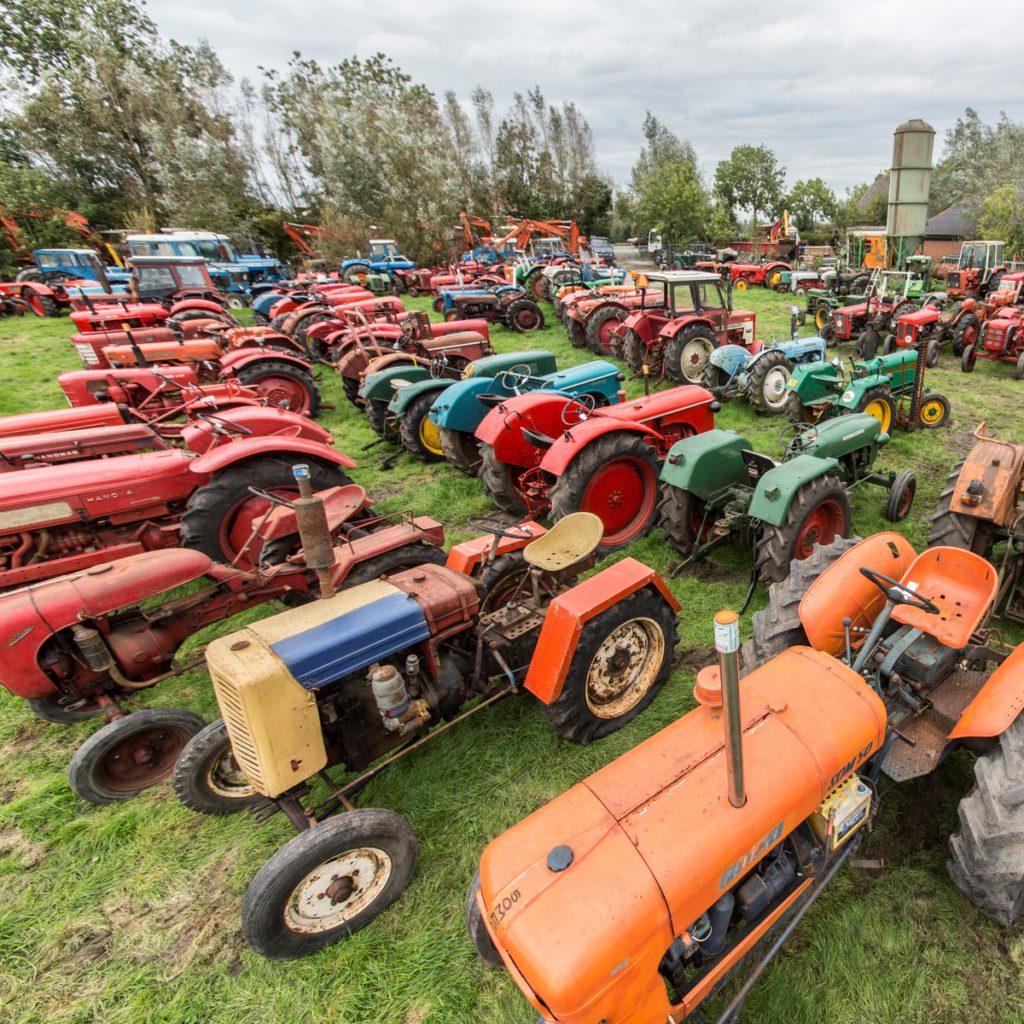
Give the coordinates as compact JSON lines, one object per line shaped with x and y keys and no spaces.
{"x":461,"y":449}
{"x":688,"y":352}
{"x":968,"y":359}
{"x":935,"y":410}
{"x":499,"y":479}
{"x":328,"y":882}
{"x":682,"y":515}
{"x":878,"y":402}
{"x":207,"y":778}
{"x":1018,"y":370}
{"x":620,"y":662}
{"x":822,"y":316}
{"x":965,"y":333}
{"x":419,"y":433}
{"x":766,"y":383}
{"x":478,"y":933}
{"x":819,"y":513}
{"x":986,"y":853}
{"x":615,"y":478}
{"x":282,"y":384}
{"x":524,"y":315}
{"x":901,"y":497}
{"x":889,"y":345}
{"x":51,"y":709}
{"x":131,"y":754}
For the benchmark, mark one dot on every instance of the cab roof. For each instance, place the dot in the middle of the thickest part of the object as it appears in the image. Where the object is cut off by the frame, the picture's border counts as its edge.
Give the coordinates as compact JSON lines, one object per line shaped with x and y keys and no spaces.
{"x":684,"y":277}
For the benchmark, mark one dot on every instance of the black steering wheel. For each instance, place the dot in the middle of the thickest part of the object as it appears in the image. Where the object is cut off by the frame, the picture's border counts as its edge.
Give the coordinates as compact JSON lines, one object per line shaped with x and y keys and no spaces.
{"x":515,"y":378}
{"x":498,"y":528}
{"x":898,"y":592}
{"x":220,"y":425}
{"x":438,"y":366}
{"x":584,"y":406}
{"x":793,"y":436}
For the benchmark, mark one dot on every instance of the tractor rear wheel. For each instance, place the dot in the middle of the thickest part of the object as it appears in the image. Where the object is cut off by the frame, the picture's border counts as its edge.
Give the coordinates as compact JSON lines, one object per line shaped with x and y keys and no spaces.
{"x":461,"y":449}
{"x":499,"y":479}
{"x":534,"y":284}
{"x":867,"y":343}
{"x":616,"y":478}
{"x":901,"y":497}
{"x":282,"y":384}
{"x":820,"y":512}
{"x":524,"y":315}
{"x":889,"y":345}
{"x":419,"y":433}
{"x":50,"y":709}
{"x":377,"y":417}
{"x":951,"y":529}
{"x":478,"y":933}
{"x":408,"y":556}
{"x":328,"y":882}
{"x":878,"y":402}
{"x":131,"y":754}
{"x":766,"y":383}
{"x":503,"y":580}
{"x":688,"y":352}
{"x":715,"y":379}
{"x":822,"y":316}
{"x":795,"y":411}
{"x":773,"y":278}
{"x":777,"y":627}
{"x":207,"y":778}
{"x":965,"y":333}
{"x":577,"y":332}
{"x":986,"y":853}
{"x":221,"y":515}
{"x":635,"y":352}
{"x":621,"y":660}
{"x":600,"y":326}
{"x":681,"y":515}
{"x":859,"y":284}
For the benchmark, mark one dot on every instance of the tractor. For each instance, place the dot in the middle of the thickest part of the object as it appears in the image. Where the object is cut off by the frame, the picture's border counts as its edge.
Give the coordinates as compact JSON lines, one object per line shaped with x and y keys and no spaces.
{"x":384,"y":258}
{"x":87,"y":644}
{"x":769,"y":274}
{"x":504,"y":304}
{"x":567,"y":296}
{"x":1000,"y":337}
{"x":933,"y":326}
{"x":63,"y":267}
{"x":593,"y":320}
{"x":716,"y":487}
{"x":979,"y":270}
{"x":889,"y":387}
{"x":682,"y":867}
{"x":579,"y":275}
{"x":678,"y":338}
{"x":459,"y":411}
{"x":64,"y":518}
{"x":361,"y":678}
{"x":549,"y":452}
{"x":869,"y":321}
{"x":800,"y":282}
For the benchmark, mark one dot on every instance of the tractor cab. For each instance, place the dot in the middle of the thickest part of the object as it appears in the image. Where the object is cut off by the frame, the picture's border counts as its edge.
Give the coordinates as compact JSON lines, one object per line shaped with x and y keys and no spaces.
{"x":385,"y":249}
{"x":977,"y":269}
{"x":548,"y":248}
{"x":67,"y":265}
{"x":168,"y":277}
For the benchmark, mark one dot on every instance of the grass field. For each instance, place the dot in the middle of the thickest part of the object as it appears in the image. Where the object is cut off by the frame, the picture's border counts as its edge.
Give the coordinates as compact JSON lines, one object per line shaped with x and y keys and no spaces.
{"x":129,"y":913}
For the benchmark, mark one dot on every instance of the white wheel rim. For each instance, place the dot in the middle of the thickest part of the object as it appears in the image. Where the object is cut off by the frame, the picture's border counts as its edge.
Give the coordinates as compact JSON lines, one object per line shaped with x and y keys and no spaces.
{"x":338,"y":890}
{"x":775,"y":393}
{"x":624,"y":667}
{"x":694,"y":357}
{"x":225,"y":778}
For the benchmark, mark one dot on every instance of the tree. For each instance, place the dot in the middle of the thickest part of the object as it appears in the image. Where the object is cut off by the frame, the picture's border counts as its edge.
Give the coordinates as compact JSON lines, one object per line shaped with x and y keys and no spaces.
{"x":810,"y":201}
{"x":1002,"y":216}
{"x":751,"y":179}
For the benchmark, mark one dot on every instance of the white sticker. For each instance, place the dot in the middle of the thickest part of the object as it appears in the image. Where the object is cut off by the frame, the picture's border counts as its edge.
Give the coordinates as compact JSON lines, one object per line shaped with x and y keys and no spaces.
{"x":727,"y":636}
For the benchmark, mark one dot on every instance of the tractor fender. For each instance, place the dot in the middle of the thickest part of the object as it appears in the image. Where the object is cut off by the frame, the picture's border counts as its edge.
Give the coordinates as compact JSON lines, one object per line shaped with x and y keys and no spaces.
{"x":31,"y":615}
{"x":195,"y":304}
{"x":855,"y":390}
{"x":253,"y":447}
{"x":640,"y":323}
{"x":776,"y":489}
{"x":502,"y":427}
{"x":38,"y":287}
{"x":247,"y":356}
{"x":571,"y":441}
{"x":705,"y":463}
{"x":673,"y":327}
{"x":458,"y":408}
{"x":378,"y":381}
{"x":572,"y":610}
{"x":997,"y":704}
{"x":731,"y":359}
{"x":467,"y":556}
{"x":402,"y":397}
{"x":262,"y":420}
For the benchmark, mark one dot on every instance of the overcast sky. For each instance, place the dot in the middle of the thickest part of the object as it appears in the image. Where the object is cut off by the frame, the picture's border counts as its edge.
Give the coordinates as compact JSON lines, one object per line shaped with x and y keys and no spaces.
{"x":823,"y":85}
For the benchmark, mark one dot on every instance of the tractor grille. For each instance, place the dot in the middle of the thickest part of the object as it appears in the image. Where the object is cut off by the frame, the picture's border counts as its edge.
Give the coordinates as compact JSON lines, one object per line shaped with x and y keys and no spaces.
{"x":994,"y":332}
{"x":232,"y":710}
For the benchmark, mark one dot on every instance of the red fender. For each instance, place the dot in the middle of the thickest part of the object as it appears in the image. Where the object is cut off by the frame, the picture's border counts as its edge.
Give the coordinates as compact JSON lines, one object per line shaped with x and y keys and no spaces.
{"x":481,"y":327}
{"x":264,"y":421}
{"x":281,"y":307}
{"x":644,"y":324}
{"x":571,"y":611}
{"x":240,"y":357}
{"x":997,"y":704}
{"x":321,"y":330}
{"x":207,"y":305}
{"x":673,"y":327}
{"x":568,"y":445}
{"x":252,"y":447}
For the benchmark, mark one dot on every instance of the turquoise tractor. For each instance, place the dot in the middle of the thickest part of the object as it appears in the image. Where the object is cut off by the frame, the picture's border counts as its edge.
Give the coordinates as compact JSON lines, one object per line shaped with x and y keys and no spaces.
{"x":888,"y":387}
{"x":715,"y":488}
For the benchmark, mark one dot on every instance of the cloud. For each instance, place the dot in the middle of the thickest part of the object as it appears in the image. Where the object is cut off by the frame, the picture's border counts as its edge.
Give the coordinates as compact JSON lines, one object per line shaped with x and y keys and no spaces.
{"x":822,"y":85}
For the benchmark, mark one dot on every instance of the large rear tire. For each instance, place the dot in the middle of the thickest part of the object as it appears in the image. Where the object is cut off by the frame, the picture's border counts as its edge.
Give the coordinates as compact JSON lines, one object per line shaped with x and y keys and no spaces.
{"x":951,"y":529}
{"x":986,"y":853}
{"x":965,"y":333}
{"x":688,"y":352}
{"x":282,"y":384}
{"x":599,"y":327}
{"x":499,"y":482}
{"x":524,"y":316}
{"x":766,"y":384}
{"x":461,"y":449}
{"x":634,"y":352}
{"x":681,"y":515}
{"x":377,"y":417}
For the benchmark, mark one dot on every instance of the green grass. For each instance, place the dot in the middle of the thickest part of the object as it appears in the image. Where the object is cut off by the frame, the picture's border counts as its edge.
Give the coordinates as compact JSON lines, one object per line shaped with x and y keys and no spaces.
{"x":130,"y":913}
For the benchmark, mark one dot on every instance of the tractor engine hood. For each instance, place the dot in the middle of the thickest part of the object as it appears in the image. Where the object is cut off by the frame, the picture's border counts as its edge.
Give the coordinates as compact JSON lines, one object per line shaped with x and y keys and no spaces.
{"x":584,"y":896}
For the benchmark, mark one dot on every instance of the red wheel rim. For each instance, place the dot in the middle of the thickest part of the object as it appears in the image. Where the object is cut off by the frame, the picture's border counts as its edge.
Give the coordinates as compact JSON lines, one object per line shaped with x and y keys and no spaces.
{"x":282,"y":391}
{"x":822,"y":526}
{"x":526,"y":319}
{"x":623,"y":495}
{"x":970,"y":335}
{"x":35,"y":303}
{"x":142,"y":759}
{"x":606,"y":334}
{"x":906,"y":500}
{"x":238,"y":524}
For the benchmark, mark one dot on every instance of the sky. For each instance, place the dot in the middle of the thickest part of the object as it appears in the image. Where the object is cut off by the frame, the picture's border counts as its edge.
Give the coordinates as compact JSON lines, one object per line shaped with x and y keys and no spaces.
{"x":823,"y":85}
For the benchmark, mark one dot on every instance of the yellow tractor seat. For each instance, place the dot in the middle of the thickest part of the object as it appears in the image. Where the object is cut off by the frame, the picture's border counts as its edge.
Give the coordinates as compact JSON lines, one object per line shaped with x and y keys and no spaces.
{"x":566,"y":544}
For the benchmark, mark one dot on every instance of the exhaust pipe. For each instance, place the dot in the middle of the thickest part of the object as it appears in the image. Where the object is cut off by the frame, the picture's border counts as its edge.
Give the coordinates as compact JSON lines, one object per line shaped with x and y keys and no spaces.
{"x":314,"y":531}
{"x":727,"y":643}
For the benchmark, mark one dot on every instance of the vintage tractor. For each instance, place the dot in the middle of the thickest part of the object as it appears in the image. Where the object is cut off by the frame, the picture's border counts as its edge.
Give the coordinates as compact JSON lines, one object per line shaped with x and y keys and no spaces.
{"x":593,"y":320}
{"x":565,"y":297}
{"x":384,"y":257}
{"x":890,"y":387}
{"x":869,"y":321}
{"x":549,"y":452}
{"x":88,"y":644}
{"x":458,"y":412}
{"x":580,"y":275}
{"x":60,"y":519}
{"x":979,"y":270}
{"x":677,"y":339}
{"x":1001,"y":340}
{"x":869,"y":659}
{"x":505,"y":304}
{"x":769,"y":274}
{"x":799,"y":282}
{"x":370,"y":675}
{"x":715,"y":487}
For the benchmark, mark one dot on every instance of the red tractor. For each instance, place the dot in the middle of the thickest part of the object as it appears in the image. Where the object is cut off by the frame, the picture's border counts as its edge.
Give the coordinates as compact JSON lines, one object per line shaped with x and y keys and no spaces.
{"x":60,"y":519}
{"x":979,"y":270}
{"x":546,"y":452}
{"x":1002,"y":339}
{"x":677,"y":339}
{"x":87,"y":644}
{"x":768,"y":274}
{"x":869,"y":321}
{"x":593,"y":320}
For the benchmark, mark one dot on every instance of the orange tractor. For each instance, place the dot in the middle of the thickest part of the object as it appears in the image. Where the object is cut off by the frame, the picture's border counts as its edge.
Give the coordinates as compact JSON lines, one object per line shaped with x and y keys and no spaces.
{"x":686,"y":863}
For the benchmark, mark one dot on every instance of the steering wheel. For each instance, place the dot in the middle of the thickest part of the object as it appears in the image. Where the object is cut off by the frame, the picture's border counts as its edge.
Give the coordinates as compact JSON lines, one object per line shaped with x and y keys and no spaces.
{"x":220,"y":425}
{"x":515,"y":378}
{"x":584,"y":407}
{"x":438,"y":365}
{"x":792,"y":437}
{"x":498,"y":528}
{"x":899,"y":593}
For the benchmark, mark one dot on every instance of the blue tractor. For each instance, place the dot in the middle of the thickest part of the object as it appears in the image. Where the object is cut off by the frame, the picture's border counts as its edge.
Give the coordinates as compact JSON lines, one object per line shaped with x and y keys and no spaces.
{"x":56,"y":266}
{"x":383,"y":259}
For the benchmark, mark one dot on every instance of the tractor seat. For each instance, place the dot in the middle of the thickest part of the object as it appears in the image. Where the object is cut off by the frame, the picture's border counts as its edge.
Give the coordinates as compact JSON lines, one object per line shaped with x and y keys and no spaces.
{"x":570,"y":541}
{"x":757,"y":464}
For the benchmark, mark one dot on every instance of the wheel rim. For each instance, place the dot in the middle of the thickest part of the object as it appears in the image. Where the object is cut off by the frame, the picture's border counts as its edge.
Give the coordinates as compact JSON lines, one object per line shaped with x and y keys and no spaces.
{"x":238,"y":525}
{"x":142,"y":759}
{"x":338,"y":890}
{"x":623,"y":495}
{"x":526,"y":319}
{"x":692,"y":360}
{"x":882,"y":412}
{"x":283,"y":392}
{"x":821,"y":317}
{"x":605,"y":333}
{"x":697,"y":513}
{"x":775,"y":392}
{"x":774,"y":278}
{"x":624,"y":668}
{"x":35,"y":304}
{"x":430,"y":436}
{"x":741,"y":285}
{"x":821,"y":527}
{"x":225,"y":779}
{"x":499,"y":595}
{"x":906,"y":500}
{"x":970,"y":335}
{"x":931,"y":411}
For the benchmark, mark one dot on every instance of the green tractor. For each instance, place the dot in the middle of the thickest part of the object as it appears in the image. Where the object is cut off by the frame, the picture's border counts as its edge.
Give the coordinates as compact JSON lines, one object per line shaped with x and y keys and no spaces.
{"x":889,"y":387}
{"x":716,"y":487}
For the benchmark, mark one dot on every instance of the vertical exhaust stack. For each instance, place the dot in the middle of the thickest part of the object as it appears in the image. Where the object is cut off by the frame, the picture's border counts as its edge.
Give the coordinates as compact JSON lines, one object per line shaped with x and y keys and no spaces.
{"x":727,"y":643}
{"x":909,"y":185}
{"x":314,"y":530}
